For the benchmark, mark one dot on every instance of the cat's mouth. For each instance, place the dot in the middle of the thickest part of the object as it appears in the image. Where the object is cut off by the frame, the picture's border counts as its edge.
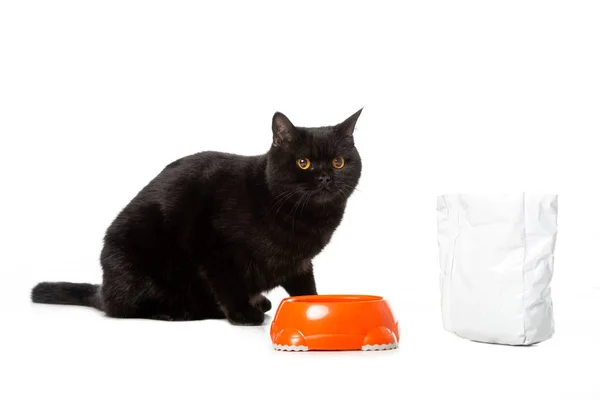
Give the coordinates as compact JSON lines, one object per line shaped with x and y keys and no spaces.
{"x":324,"y":194}
{"x":318,"y":195}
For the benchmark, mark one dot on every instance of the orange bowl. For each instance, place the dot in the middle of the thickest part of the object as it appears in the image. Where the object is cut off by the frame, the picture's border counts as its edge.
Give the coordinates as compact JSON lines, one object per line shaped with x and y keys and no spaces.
{"x":334,"y":322}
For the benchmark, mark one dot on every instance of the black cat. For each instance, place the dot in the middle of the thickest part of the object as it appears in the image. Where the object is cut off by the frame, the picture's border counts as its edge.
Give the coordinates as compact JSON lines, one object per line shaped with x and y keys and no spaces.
{"x":213,"y":231}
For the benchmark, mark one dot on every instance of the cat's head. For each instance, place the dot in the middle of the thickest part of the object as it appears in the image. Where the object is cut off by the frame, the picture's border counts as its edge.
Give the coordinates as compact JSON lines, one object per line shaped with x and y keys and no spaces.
{"x":320,"y":164}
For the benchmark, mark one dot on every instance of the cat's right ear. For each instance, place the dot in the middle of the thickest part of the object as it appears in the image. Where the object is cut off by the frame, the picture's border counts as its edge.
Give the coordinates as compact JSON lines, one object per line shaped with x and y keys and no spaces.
{"x":283,"y":130}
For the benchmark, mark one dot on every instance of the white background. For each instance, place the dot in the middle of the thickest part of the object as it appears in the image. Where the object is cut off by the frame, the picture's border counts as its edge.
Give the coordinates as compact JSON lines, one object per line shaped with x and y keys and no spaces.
{"x":96,"y":97}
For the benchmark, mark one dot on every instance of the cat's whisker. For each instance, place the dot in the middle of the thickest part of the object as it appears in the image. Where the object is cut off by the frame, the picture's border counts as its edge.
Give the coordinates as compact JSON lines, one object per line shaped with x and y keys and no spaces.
{"x":350,"y":186}
{"x":295,"y":208}
{"x":285,"y":199}
{"x":293,"y":211}
{"x":345,"y":191}
{"x":277,"y":199}
{"x":305,"y":203}
{"x":280,"y":199}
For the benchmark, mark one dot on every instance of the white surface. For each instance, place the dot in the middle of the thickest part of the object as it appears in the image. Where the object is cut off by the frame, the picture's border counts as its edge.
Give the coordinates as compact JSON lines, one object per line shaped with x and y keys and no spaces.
{"x":96,"y":97}
{"x":496,"y":266}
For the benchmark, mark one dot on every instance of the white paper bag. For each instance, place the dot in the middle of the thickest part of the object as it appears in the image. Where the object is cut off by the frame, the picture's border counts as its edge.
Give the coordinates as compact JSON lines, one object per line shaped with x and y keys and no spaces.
{"x":497,"y":260}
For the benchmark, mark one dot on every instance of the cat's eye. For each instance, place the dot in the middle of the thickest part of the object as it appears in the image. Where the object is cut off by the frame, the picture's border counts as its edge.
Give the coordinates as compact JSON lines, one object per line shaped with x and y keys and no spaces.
{"x":338,"y":162}
{"x":303,"y":163}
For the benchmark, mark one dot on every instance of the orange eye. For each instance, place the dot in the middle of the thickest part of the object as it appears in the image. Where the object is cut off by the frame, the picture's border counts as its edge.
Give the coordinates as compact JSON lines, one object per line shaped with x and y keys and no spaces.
{"x":303,"y":163}
{"x":338,"y":162}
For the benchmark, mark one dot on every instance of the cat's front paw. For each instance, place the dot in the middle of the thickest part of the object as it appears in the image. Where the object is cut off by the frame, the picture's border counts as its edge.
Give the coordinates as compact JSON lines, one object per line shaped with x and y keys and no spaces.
{"x":261,"y":303}
{"x":246,"y":316}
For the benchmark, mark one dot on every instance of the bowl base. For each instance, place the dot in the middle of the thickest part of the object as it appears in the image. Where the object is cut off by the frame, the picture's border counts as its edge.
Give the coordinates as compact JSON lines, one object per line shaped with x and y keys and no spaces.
{"x":368,"y":347}
{"x":287,"y":347}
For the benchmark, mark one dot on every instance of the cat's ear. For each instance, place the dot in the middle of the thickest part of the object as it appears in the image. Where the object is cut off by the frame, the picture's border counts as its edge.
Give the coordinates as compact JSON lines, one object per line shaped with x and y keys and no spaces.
{"x":346,"y":128}
{"x":283,"y":130}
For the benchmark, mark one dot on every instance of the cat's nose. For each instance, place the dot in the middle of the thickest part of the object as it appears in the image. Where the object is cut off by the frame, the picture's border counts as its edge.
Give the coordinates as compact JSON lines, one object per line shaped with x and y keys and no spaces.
{"x":324,"y":179}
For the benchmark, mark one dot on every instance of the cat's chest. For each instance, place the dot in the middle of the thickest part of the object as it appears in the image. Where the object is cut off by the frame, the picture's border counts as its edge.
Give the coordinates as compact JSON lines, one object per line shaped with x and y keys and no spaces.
{"x":285,"y":245}
{"x":277,"y":239}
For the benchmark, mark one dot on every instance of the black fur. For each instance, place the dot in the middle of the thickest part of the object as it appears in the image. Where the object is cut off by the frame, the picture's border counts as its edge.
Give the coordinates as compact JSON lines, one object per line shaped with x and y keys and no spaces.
{"x":213,"y":231}
{"x":66,"y":293}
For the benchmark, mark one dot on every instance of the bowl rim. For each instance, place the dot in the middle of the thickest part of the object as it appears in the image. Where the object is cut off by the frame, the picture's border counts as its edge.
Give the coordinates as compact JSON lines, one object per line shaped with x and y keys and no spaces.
{"x":334,"y":298}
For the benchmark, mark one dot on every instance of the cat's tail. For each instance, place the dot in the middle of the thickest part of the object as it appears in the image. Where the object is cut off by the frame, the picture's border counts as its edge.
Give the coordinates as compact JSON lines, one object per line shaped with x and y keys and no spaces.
{"x":67,"y":293}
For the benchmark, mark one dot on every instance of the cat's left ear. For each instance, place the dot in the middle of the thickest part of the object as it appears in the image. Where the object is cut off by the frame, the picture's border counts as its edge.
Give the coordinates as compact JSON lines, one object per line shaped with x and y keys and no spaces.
{"x":346,"y":128}
{"x":283,"y":130}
